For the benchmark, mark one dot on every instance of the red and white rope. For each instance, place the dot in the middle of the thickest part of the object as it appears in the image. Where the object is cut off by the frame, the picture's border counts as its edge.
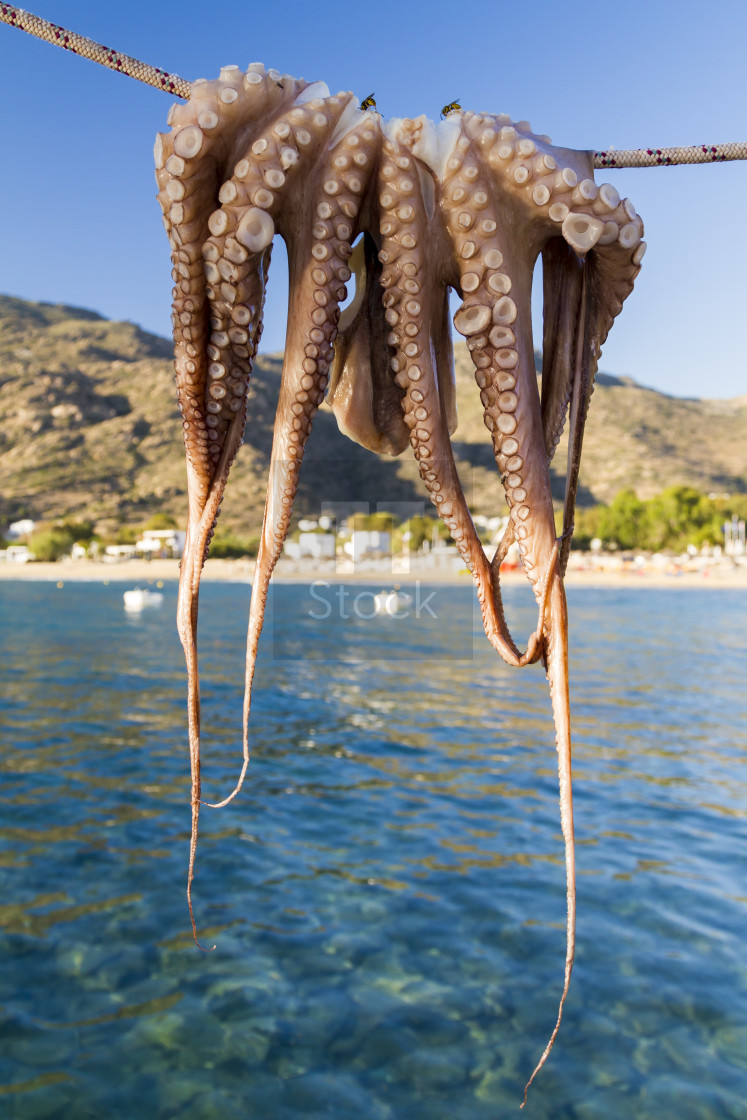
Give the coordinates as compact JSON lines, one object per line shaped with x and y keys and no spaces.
{"x":667,"y":157}
{"x":172,"y":83}
{"x":78,"y":44}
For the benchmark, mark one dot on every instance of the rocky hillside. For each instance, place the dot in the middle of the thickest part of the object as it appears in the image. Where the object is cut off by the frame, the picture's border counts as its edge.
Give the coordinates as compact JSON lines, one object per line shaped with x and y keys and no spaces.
{"x":89,"y":427}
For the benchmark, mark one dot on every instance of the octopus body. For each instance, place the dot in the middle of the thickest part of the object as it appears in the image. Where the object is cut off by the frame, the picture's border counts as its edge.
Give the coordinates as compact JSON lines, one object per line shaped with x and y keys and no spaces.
{"x":413,"y":209}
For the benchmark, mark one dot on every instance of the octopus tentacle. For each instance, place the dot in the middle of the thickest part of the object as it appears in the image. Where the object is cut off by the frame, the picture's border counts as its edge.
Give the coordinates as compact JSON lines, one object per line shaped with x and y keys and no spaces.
{"x":487,"y":317}
{"x":517,"y":431}
{"x":186,"y":186}
{"x":556,"y":655}
{"x":236,"y":258}
{"x":571,"y":346}
{"x":607,"y":280}
{"x":410,"y":299}
{"x":562,"y":277}
{"x":521,"y":429}
{"x":414,"y":313}
{"x":495,"y":316}
{"x":318,"y":275}
{"x":363,"y":395}
{"x":562,"y":281}
{"x":191,"y":163}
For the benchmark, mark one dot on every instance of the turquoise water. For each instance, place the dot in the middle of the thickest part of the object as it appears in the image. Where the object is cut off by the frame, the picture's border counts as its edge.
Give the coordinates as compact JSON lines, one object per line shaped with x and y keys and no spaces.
{"x":387,"y":894}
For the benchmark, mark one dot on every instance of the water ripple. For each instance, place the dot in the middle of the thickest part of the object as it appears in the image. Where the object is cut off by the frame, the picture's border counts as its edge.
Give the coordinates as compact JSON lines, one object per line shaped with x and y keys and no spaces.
{"x":387,"y":894}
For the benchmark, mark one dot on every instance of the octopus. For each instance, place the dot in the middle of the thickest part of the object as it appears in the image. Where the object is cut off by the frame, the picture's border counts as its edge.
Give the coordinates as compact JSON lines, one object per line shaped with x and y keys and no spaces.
{"x":408,"y":210}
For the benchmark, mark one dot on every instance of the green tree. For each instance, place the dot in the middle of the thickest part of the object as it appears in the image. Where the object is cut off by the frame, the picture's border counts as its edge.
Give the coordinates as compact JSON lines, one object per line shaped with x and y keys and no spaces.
{"x":51,"y":544}
{"x":673,"y":519}
{"x":677,"y":517}
{"x":226,"y":546}
{"x":421,"y":529}
{"x":380,"y":521}
{"x":586,"y":526}
{"x":621,"y":521}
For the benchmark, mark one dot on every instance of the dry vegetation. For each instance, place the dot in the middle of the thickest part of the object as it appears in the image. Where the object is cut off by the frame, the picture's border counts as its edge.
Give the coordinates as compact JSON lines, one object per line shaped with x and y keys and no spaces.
{"x":89,"y":428}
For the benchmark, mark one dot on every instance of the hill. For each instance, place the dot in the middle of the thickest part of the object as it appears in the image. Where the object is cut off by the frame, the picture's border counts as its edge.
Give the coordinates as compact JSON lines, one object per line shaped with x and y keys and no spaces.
{"x":89,"y":427}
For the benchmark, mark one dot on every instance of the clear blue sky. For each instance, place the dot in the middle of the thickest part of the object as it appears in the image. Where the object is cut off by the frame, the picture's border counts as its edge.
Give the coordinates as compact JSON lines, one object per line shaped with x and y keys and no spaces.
{"x":77,"y":209}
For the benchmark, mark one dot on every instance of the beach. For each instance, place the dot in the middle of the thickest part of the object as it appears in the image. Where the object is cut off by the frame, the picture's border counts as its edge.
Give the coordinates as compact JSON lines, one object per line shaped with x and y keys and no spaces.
{"x":719,"y":574}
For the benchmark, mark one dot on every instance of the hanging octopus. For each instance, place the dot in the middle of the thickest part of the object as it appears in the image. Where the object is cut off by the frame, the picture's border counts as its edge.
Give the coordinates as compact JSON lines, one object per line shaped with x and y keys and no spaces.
{"x":468,"y":203}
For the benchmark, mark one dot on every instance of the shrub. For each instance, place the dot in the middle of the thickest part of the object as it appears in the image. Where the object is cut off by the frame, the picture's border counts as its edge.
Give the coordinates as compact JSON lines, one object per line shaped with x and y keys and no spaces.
{"x":673,"y":519}
{"x":51,"y":544}
{"x":227,"y":547}
{"x":381,"y":521}
{"x":421,"y":529}
{"x":79,"y":530}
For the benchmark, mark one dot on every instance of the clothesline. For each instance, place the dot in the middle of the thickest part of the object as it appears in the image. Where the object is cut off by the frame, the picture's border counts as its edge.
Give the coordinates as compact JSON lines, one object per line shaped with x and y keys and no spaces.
{"x":180,"y":87}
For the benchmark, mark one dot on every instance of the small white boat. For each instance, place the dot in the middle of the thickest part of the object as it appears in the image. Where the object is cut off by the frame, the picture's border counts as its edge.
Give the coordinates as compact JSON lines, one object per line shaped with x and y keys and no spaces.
{"x":141,"y":597}
{"x":392,"y":602}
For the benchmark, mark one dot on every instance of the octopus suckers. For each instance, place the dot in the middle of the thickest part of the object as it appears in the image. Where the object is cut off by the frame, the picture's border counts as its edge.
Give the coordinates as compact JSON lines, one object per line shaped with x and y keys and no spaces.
{"x":467,"y":204}
{"x":470,"y":320}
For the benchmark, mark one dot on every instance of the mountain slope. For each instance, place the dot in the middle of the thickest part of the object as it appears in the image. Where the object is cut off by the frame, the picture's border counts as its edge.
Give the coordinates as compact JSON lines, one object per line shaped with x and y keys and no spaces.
{"x":89,"y":427}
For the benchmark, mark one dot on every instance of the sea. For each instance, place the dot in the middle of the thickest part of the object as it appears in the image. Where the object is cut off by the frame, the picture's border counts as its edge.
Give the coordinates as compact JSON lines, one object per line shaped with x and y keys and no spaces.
{"x":386,"y":896}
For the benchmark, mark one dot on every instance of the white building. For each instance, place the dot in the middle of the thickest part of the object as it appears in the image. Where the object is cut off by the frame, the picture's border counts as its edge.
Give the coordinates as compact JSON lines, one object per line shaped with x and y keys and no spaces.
{"x":119,"y":552}
{"x":368,"y":542}
{"x":162,"y":542}
{"x":16,"y":554}
{"x":18,"y":529}
{"x":318,"y":546}
{"x":313,"y":546}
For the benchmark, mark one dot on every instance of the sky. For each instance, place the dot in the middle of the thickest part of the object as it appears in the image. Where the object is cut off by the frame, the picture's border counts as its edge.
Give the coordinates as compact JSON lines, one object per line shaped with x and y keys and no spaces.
{"x":79,"y":220}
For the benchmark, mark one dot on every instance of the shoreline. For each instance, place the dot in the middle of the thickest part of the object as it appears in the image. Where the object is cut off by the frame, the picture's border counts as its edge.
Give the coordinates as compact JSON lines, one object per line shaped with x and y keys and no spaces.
{"x":148,"y":572}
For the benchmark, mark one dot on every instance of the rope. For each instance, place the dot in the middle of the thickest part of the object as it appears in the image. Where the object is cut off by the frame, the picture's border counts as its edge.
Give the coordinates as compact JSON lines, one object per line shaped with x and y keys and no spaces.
{"x":667,"y":157}
{"x":172,"y":83}
{"x":78,"y":44}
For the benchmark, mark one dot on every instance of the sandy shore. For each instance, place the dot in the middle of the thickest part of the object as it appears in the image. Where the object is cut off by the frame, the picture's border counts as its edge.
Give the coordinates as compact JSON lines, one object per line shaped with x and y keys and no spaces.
{"x":143,"y":573}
